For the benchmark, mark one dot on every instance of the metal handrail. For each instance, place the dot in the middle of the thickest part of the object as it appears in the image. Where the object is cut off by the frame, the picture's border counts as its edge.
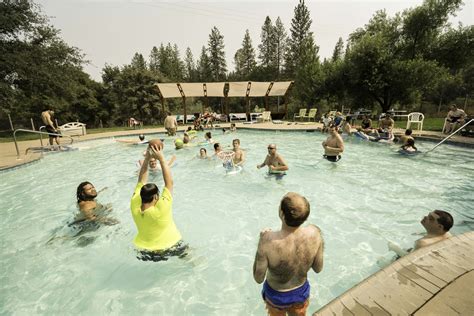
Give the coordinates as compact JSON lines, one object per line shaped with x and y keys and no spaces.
{"x":450,"y":135}
{"x":35,"y":132}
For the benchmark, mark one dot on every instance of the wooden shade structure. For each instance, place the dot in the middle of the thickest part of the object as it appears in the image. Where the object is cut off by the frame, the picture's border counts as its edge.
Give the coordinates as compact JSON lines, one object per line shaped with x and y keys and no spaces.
{"x":247,"y":89}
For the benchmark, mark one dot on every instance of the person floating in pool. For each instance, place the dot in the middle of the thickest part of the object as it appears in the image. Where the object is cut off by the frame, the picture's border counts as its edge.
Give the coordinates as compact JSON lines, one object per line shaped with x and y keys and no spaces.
{"x":89,"y":209}
{"x":347,"y":128}
{"x":158,"y":238}
{"x":203,"y":154}
{"x":284,"y":258}
{"x":409,"y":147}
{"x":208,"y":137}
{"x":333,"y":145}
{"x":225,"y":156}
{"x":153,"y":163}
{"x":366,"y":124}
{"x":47,"y":118}
{"x":437,"y":225}
{"x":239,"y":154}
{"x":275,"y":162}
{"x":404,"y":138}
{"x":141,"y":140}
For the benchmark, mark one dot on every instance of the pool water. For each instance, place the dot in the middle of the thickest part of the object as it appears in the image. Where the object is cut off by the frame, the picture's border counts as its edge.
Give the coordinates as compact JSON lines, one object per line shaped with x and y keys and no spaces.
{"x":369,"y":197}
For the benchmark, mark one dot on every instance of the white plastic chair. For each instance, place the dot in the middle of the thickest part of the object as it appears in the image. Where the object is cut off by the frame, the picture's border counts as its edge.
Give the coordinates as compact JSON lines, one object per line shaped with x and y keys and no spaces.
{"x":416,"y":118}
{"x":266,"y":116}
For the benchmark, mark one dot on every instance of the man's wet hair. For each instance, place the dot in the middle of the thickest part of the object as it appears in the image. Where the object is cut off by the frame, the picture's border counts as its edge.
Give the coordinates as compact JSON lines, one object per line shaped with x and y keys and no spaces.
{"x":80,"y":194}
{"x":148,"y":191}
{"x":292,"y":214}
{"x":216,"y":145}
{"x":203,"y":149}
{"x":208,"y":134}
{"x":408,"y":132}
{"x":236,"y":140}
{"x":445,"y":219}
{"x":141,"y":137}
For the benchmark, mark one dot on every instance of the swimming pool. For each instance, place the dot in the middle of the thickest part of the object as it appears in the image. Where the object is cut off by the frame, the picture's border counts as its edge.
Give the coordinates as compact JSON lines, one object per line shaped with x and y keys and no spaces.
{"x":372,"y":195}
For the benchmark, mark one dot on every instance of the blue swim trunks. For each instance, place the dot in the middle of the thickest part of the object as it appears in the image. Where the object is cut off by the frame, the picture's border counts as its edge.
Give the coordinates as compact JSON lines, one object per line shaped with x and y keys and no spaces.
{"x":284,"y":299}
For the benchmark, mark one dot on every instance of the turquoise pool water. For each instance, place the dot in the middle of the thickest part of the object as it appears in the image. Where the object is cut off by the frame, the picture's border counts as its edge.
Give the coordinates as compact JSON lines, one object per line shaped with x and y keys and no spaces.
{"x":372,"y":195}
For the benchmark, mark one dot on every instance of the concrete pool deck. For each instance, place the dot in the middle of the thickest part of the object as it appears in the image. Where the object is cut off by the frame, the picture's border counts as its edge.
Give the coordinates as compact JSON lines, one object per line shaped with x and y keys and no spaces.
{"x":8,"y":156}
{"x":436,"y":280}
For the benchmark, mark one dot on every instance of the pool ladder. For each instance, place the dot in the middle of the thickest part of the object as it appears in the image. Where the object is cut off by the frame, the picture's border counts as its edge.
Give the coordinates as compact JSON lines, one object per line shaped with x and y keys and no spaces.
{"x":450,"y":135}
{"x":42,"y":147}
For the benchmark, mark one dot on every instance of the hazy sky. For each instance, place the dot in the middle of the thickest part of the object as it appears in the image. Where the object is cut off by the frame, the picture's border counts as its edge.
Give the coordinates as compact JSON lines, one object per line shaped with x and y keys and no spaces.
{"x":111,"y":31}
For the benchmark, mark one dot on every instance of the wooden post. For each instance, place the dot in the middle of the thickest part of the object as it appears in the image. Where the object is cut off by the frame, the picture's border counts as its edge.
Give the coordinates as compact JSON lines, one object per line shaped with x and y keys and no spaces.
{"x":184,"y":102}
{"x":247,"y":98}
{"x":11,"y":124}
{"x":226,"y":99}
{"x":266,"y":96}
{"x":100,"y":123}
{"x":285,"y":97}
{"x":204,"y":86}
{"x":32,"y":124}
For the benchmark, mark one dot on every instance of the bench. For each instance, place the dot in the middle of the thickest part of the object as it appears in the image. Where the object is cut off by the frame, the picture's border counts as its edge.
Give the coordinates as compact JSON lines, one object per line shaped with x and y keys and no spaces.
{"x":73,"y":129}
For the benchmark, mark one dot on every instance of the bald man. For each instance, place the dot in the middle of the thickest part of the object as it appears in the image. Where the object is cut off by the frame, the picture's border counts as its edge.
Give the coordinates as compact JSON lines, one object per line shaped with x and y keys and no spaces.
{"x":284,"y":258}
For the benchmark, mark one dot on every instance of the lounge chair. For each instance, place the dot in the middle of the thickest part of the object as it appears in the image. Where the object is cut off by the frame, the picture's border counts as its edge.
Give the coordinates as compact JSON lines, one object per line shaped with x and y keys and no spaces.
{"x":301,"y":114}
{"x":311,"y":115}
{"x":237,"y":117}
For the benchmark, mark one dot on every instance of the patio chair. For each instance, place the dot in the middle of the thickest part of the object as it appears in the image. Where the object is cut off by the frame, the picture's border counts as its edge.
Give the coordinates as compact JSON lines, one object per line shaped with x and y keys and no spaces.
{"x":266,"y":117}
{"x":416,"y":118}
{"x":237,"y":117}
{"x":301,"y":114}
{"x":311,"y":115}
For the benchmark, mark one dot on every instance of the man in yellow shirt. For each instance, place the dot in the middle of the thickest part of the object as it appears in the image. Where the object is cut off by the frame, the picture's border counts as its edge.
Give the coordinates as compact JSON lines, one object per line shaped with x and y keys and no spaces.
{"x":158,"y":237}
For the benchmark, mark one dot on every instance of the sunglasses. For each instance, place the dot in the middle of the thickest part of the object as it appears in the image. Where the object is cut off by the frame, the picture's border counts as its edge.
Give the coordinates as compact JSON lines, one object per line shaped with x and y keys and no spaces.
{"x":271,"y":147}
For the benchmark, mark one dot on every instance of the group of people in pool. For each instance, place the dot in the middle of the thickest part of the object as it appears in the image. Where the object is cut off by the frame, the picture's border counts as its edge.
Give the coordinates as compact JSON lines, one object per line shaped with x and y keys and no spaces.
{"x":283,"y":257}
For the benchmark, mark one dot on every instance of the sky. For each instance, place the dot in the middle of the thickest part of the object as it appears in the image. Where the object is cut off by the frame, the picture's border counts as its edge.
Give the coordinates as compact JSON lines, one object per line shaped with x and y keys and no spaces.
{"x":112,"y":31}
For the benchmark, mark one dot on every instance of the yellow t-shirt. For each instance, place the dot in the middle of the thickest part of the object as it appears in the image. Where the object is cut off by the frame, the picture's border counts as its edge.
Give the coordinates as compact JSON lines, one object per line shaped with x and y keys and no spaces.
{"x":156,"y":228}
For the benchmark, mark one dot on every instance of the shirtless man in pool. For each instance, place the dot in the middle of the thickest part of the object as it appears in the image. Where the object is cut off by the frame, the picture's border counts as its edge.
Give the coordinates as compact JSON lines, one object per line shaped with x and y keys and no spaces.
{"x":333,"y":145}
{"x":274,"y":161}
{"x":284,"y":258}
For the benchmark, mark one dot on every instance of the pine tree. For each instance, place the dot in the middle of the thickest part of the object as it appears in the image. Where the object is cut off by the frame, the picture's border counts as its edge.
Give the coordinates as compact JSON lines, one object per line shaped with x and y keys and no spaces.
{"x":177,"y":64}
{"x":267,"y":45}
{"x":204,"y":67}
{"x":280,"y":39}
{"x":138,"y":62}
{"x":300,"y":25}
{"x":338,"y":50}
{"x":217,"y":55}
{"x":154,"y":63}
{"x":247,"y":56}
{"x":190,"y":68}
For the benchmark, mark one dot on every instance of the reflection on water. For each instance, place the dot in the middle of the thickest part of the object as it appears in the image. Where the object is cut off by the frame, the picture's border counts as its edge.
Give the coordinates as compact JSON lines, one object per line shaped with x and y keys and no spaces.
{"x":372,"y":195}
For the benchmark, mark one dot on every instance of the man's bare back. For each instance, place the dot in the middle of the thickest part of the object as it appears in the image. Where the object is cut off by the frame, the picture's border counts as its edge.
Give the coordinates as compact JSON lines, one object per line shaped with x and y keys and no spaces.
{"x":290,"y":256}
